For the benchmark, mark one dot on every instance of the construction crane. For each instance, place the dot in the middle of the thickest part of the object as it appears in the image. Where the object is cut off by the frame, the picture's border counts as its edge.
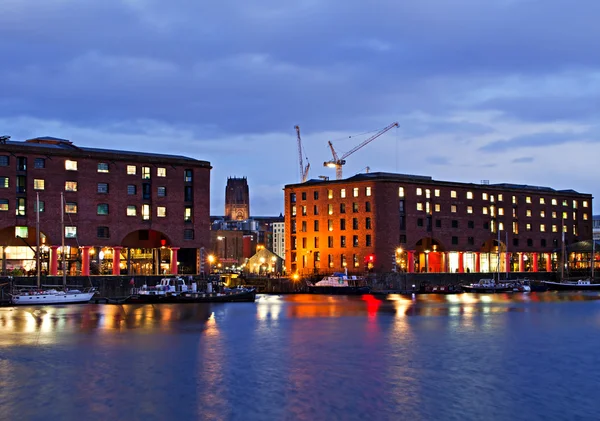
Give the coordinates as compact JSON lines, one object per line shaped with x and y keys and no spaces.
{"x":303,"y":169}
{"x":338,"y":162}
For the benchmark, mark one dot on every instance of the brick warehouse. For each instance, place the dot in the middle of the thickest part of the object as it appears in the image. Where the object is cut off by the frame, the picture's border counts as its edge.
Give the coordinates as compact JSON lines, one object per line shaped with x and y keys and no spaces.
{"x":395,"y":222}
{"x":125,"y":212}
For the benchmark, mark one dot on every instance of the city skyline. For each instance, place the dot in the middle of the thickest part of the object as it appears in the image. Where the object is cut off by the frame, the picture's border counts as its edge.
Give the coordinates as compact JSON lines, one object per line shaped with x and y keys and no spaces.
{"x":504,"y":91}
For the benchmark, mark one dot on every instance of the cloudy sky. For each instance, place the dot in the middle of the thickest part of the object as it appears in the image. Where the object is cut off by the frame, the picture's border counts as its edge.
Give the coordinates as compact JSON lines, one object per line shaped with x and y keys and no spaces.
{"x":499,"y":90}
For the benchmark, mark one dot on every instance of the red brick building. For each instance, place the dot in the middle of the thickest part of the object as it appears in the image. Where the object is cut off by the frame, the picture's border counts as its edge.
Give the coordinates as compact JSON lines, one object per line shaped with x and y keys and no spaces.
{"x":395,"y":222}
{"x":125,"y":212}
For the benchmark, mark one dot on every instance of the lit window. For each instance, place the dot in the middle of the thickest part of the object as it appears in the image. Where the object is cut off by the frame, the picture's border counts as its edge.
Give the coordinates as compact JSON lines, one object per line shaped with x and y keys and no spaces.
{"x":528,"y":227}
{"x":438,"y":207}
{"x":4,"y":182}
{"x":161,"y":211}
{"x":419,"y":206}
{"x":188,"y":176}
{"x":574,"y":204}
{"x":564,"y":215}
{"x":469,"y":209}
{"x":542,"y":201}
{"x":368,"y":191}
{"x":493,"y":211}
{"x":131,"y":169}
{"x":501,"y":226}
{"x":585,"y":216}
{"x":70,"y":232}
{"x":484,"y":196}
{"x":400,"y":191}
{"x":574,"y":229}
{"x":469,"y":195}
{"x":70,"y":185}
{"x":355,"y":192}
{"x":162,"y":191}
{"x":499,"y":198}
{"x":145,"y":173}
{"x":565,"y":228}
{"x":419,"y":191}
{"x":103,"y":209}
{"x":501,"y":211}
{"x":3,"y":204}
{"x":528,"y":212}
{"x":330,"y":209}
{"x":492,"y":198}
{"x":437,"y":192}
{"x":161,"y":172}
{"x":38,"y":184}
{"x":514,"y":200}
{"x":554,"y":228}
{"x":343,"y":193}
{"x":131,"y":210}
{"x":102,"y":167}
{"x":542,"y":228}
{"x":554,"y":215}
{"x":427,"y":193}
{"x":453,"y":208}
{"x":330,"y":225}
{"x":294,"y":210}
{"x":528,"y":199}
{"x":145,"y":212}
{"x":484,"y":210}
{"x":70,"y":165}
{"x":585,"y":203}
{"x":330,"y":194}
{"x":71,"y":207}
{"x":21,"y":209}
{"x":21,"y":232}
{"x":542,"y":214}
{"x":565,"y":202}
{"x":187,"y":214}
{"x":453,"y":194}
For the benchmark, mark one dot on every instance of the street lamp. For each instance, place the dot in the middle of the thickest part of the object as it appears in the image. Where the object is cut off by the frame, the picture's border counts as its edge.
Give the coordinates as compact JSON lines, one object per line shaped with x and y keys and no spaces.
{"x":211,"y":260}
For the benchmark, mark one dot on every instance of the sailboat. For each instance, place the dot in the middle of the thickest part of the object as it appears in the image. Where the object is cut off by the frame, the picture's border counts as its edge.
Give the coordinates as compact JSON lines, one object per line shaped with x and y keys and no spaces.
{"x":580,"y":284}
{"x":41,"y":296}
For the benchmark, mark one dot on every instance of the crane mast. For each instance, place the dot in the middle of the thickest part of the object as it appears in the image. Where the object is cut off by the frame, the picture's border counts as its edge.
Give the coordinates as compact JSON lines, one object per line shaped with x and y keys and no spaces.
{"x":303,"y":169}
{"x":338,"y":162}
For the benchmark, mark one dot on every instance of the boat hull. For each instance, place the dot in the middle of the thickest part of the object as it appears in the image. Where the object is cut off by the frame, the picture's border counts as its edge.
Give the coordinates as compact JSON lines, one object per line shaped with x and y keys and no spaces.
{"x":559,"y":286}
{"x":344,"y":290}
{"x":50,"y":299}
{"x":486,"y":290}
{"x":183,"y":298}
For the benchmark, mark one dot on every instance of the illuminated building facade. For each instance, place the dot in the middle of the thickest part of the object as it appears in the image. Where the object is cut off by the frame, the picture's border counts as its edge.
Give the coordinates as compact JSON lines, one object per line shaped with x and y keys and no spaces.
{"x":393,"y":222}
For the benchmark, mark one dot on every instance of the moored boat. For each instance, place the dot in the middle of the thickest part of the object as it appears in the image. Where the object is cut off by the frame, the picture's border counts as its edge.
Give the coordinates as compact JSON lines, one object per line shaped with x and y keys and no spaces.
{"x":52,"y":296}
{"x":427,"y":288}
{"x":339,"y":284}
{"x":489,"y":286}
{"x":579,"y":285}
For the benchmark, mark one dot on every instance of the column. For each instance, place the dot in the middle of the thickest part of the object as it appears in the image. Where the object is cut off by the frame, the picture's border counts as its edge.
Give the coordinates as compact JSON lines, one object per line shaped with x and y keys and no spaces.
{"x":174,"y":260}
{"x":410,"y":261}
{"x":85,"y":261}
{"x":521,"y":262}
{"x":548,"y":262}
{"x":535,"y":262}
{"x":128,"y":260}
{"x":116,"y":260}
{"x":4,"y":261}
{"x":507,"y":257}
{"x":477,"y":262}
{"x":53,"y":260}
{"x":461,"y":262}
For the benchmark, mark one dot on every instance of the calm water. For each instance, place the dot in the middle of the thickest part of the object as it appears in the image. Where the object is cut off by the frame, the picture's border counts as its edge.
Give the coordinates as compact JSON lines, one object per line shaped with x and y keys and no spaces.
{"x":306,"y":358}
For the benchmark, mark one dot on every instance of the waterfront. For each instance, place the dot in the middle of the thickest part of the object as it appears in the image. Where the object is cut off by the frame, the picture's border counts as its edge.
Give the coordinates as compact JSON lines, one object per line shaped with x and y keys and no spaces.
{"x":306,"y":357}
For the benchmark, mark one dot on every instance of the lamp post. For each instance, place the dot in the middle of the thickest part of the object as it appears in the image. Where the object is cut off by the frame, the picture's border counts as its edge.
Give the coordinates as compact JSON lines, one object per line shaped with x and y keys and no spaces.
{"x":211,"y":260}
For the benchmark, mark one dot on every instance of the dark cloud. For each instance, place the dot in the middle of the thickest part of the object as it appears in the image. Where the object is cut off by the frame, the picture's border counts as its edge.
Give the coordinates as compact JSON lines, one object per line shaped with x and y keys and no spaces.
{"x":523,"y":160}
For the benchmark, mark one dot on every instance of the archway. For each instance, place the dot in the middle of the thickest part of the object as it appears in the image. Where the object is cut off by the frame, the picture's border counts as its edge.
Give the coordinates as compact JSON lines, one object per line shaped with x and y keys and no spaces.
{"x":430,"y":255}
{"x":142,"y":252}
{"x":18,"y":250}
{"x":493,"y":256}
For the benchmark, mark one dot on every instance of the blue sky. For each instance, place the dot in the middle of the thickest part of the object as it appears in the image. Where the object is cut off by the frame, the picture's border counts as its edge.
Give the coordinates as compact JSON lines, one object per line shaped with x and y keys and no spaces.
{"x":499,"y":90}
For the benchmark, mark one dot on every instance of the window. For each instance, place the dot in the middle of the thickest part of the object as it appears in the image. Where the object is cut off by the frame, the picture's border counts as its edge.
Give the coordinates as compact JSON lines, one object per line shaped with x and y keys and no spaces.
{"x":146,"y":191}
{"x":554,"y":202}
{"x":542,"y":201}
{"x":3,"y":204}
{"x":565,"y":202}
{"x":330,"y":209}
{"x":355,"y":260}
{"x":21,"y":232}
{"x":39,"y":163}
{"x":438,"y":207}
{"x":400,"y":191}
{"x":585,"y":216}
{"x":516,"y":242}
{"x":499,"y":198}
{"x":103,"y":188}
{"x":469,"y":195}
{"x":102,"y":232}
{"x":304,"y":210}
{"x":543,"y":242}
{"x":131,"y":169}
{"x":527,"y":227}
{"x":354,"y":207}
{"x":469,"y":209}
{"x":343,"y":193}
{"x":188,"y":234}
{"x":528,"y":212}
{"x":21,"y":163}
{"x":585,"y":203}
{"x":438,"y":223}
{"x":542,"y":228}
{"x":564,"y":215}
{"x":453,"y":208}
{"x":419,"y":191}
{"x":419,"y":206}
{"x":367,"y":191}
{"x":542,"y":214}
{"x":145,"y":173}
{"x":188,"y":176}
{"x":355,"y":240}
{"x":484,"y":196}
{"x":161,"y":211}
{"x":528,"y":199}
{"x":471,"y":224}
{"x":343,"y":241}
{"x":304,"y":226}
{"x":38,"y":184}
{"x":70,"y":165}
{"x":554,"y":228}
{"x":330,"y":241}
{"x":316,"y":226}
{"x":162,"y":191}
{"x":21,"y":206}
{"x":187,"y":214}
{"x":471,"y":241}
{"x":146,"y":212}
{"x":330,"y":225}
{"x":437,"y":192}
{"x":294,"y":210}
{"x":367,"y":206}
{"x":71,"y":207}
{"x":529,"y":242}
{"x":131,"y":189}
{"x":303,"y":195}
{"x":484,"y":210}
{"x":554,"y":215}
{"x":342,"y":224}
{"x":354,"y":223}
{"x":315,"y":210}
{"x":420,"y":222}
{"x":454,"y":240}
{"x":355,"y":192}
{"x":514,"y":200}
{"x":515,"y":227}
{"x":4,"y":161}
{"x":161,"y":172}
{"x":402,"y":239}
{"x":574,"y":204}
{"x":454,"y":223}
{"x":501,"y":211}
{"x":453,"y":194}
{"x":188,"y":194}
{"x":70,"y":232}
{"x":303,"y":242}
{"x":103,"y":209}
{"x":131,"y":210}
{"x":368,"y":223}
{"x":102,"y":167}
{"x":4,"y":182}
{"x":21,"y":184}
{"x":330,"y":194}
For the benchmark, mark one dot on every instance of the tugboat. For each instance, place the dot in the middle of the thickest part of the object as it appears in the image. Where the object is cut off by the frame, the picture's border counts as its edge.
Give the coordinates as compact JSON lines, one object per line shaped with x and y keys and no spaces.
{"x":175,"y":291}
{"x":338,"y":284}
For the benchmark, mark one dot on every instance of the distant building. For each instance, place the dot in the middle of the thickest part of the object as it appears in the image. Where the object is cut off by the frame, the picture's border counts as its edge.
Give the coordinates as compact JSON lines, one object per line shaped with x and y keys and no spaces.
{"x":237,"y":199}
{"x":596,"y":227}
{"x":279,"y":239}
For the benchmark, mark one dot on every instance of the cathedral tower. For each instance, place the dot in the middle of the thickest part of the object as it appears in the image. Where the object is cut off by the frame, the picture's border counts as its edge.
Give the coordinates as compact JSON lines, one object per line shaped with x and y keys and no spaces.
{"x":237,"y":199}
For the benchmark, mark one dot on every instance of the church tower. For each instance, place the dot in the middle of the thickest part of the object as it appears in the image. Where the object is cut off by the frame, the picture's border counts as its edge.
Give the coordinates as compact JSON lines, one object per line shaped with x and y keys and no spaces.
{"x":237,"y":199}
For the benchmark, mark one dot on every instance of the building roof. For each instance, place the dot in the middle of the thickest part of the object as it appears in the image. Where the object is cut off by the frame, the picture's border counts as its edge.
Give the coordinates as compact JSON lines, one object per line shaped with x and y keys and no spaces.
{"x":393,"y":177}
{"x":57,"y":146}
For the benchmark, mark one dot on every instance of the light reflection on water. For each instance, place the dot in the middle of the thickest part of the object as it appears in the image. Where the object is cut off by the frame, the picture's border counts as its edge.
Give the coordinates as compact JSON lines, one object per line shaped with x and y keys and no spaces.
{"x":305,"y":357}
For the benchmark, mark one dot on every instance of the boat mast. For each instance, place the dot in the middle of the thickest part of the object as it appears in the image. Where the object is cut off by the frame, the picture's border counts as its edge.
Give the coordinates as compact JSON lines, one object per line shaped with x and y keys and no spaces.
{"x":593,"y":256}
{"x":562,"y":252}
{"x":506,"y":261}
{"x":498,"y":263}
{"x":37,"y":240}
{"x":62,"y":224}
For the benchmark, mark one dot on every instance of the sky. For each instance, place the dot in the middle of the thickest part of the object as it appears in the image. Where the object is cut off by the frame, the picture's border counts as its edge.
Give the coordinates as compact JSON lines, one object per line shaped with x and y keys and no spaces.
{"x":498,"y":90}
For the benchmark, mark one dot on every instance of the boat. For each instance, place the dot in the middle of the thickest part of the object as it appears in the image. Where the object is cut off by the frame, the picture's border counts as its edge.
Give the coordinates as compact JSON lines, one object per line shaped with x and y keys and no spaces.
{"x":44,"y":296}
{"x":489,"y":286}
{"x":339,"y":284}
{"x":427,"y":288}
{"x":176,"y":291}
{"x":579,"y":285}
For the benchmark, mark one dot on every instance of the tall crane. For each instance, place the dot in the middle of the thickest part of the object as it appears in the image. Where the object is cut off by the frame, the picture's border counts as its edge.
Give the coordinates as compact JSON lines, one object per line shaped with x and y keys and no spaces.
{"x":303,"y":169}
{"x":338,"y":162}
